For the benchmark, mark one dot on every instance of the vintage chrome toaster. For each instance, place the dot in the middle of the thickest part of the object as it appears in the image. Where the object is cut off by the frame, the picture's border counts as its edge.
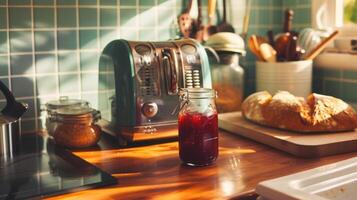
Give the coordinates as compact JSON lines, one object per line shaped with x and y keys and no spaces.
{"x":139,"y":84}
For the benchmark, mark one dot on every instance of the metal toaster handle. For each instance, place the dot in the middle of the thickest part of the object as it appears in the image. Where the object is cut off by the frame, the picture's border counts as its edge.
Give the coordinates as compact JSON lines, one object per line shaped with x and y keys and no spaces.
{"x":170,"y":69}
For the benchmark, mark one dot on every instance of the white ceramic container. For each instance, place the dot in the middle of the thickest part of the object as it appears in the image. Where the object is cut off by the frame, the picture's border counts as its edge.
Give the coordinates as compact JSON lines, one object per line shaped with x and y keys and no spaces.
{"x":295,"y":77}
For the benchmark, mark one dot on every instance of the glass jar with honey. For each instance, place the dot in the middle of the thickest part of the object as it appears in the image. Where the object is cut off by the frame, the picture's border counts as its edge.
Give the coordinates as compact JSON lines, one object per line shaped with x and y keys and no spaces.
{"x":75,"y":126}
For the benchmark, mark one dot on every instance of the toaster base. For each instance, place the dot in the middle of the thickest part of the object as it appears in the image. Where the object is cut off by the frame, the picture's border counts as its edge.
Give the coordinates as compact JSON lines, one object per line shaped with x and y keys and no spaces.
{"x":140,"y":133}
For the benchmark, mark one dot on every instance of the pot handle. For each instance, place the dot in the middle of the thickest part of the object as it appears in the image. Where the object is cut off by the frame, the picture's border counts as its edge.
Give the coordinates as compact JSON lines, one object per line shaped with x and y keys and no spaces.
{"x":13,"y":108}
{"x":10,"y":99}
{"x":210,"y":50}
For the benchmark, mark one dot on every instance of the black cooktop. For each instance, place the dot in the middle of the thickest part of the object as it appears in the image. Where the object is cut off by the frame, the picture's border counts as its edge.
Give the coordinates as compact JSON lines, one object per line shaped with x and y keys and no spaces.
{"x":41,"y":168}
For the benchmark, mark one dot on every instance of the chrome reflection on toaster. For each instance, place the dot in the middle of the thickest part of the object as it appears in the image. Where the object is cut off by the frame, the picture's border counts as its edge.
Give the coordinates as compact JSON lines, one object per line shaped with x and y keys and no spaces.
{"x":139,"y":84}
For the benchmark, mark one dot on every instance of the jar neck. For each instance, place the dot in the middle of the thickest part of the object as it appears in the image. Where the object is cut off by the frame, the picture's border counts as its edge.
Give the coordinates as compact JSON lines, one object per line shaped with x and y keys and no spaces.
{"x":197,"y":93}
{"x":229,"y":58}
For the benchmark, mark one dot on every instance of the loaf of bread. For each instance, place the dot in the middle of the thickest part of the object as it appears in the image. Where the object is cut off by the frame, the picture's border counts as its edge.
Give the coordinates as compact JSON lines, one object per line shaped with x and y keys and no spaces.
{"x":318,"y":113}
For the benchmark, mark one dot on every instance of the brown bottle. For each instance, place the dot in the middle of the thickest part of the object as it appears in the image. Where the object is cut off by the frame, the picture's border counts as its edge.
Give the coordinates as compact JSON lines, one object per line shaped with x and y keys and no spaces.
{"x":282,"y":39}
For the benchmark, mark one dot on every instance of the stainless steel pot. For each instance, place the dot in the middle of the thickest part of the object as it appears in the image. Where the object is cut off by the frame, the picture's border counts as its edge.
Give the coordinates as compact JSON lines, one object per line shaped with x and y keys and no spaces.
{"x":10,"y":131}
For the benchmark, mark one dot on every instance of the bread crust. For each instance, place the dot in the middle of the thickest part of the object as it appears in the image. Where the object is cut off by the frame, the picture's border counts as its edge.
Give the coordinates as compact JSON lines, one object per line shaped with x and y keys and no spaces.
{"x":317,"y":113}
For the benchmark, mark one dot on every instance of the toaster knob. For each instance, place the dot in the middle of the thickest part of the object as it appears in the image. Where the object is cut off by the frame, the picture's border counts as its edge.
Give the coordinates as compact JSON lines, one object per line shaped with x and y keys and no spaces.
{"x":149,"y":109}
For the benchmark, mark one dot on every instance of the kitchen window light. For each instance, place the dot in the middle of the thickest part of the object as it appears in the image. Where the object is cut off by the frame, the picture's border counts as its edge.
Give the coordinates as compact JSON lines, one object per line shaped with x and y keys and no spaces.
{"x":335,"y":14}
{"x":329,"y":15}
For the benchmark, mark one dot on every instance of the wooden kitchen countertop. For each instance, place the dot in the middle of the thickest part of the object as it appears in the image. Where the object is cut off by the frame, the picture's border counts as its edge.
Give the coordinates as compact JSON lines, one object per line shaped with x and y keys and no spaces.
{"x":155,"y":172}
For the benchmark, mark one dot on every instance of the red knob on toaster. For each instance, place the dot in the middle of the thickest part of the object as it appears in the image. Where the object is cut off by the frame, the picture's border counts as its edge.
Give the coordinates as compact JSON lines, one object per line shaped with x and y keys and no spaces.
{"x":149,"y":109}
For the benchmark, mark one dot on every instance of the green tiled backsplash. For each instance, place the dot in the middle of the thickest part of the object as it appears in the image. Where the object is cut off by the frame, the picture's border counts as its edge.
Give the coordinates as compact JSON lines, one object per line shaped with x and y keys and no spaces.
{"x":50,"y":48}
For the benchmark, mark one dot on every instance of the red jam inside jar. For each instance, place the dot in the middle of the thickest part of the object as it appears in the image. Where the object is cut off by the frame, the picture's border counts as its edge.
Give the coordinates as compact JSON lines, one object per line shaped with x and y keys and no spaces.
{"x":198,"y":138}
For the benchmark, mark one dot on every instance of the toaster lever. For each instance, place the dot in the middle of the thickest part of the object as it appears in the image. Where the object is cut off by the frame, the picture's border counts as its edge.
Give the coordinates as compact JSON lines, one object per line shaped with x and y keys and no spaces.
{"x":170,"y":69}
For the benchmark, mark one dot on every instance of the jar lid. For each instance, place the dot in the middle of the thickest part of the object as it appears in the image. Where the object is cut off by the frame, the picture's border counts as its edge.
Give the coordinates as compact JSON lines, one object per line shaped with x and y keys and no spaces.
{"x":197,"y":93}
{"x":226,"y":41}
{"x":64,"y":101}
{"x":74,"y":110}
{"x":75,"y":113}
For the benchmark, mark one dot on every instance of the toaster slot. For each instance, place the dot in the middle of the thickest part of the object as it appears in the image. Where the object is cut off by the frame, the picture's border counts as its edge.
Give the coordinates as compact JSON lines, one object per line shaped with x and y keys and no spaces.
{"x":169,"y":61}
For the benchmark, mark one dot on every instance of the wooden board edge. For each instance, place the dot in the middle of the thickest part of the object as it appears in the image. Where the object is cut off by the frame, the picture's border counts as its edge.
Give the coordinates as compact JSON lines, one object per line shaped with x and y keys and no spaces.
{"x":305,"y":151}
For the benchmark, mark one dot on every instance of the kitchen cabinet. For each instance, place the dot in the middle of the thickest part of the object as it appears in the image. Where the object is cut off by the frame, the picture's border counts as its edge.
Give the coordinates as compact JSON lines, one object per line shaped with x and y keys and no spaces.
{"x":155,"y":172}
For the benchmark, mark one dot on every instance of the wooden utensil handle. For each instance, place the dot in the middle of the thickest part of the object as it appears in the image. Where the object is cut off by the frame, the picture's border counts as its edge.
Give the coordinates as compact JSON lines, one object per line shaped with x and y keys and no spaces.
{"x":189,"y":6}
{"x":224,"y":11}
{"x":211,"y":7}
{"x":270,"y":35}
{"x":199,"y":17}
{"x":321,"y":46}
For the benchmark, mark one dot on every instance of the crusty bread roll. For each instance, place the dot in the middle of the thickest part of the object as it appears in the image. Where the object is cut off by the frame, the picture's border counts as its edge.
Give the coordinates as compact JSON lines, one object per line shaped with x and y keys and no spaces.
{"x":319,"y":113}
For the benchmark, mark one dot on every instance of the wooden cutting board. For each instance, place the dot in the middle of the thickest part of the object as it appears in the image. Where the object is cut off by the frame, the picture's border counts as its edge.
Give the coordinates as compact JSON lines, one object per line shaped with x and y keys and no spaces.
{"x":299,"y":144}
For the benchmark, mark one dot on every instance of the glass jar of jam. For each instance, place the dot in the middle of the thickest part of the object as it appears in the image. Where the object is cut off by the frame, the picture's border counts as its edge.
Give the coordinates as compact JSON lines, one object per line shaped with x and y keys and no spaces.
{"x":75,"y":126}
{"x":198,"y":126}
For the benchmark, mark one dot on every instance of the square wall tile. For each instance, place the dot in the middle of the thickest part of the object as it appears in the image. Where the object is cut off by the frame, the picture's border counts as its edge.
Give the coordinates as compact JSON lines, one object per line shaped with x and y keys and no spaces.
{"x":166,"y":17}
{"x":4,"y":66}
{"x":3,"y":18}
{"x":89,"y":61}
{"x":67,"y":62}
{"x":28,"y":125}
{"x":127,"y":3}
{"x":349,"y":93}
{"x":128,"y":33}
{"x":147,"y":17}
{"x":143,"y":34}
{"x":68,"y":83}
{"x":22,"y":86}
{"x":332,"y":88}
{"x":128,"y":17}
{"x":66,"y":2}
{"x":21,"y":65}
{"x":66,"y":17}
{"x":45,"y":63}
{"x":20,"y":17}
{"x":265,"y":17}
{"x":146,"y":2}
{"x":107,"y":36}
{"x":108,"y":17}
{"x":108,"y":2}
{"x":317,"y":84}
{"x":249,"y":88}
{"x":44,"y":17}
{"x":165,"y":33}
{"x":89,"y":82}
{"x":169,"y":3}
{"x":330,"y":73}
{"x":302,"y":16}
{"x":88,"y":17}
{"x":44,"y":41}
{"x":87,"y":2}
{"x":347,"y":74}
{"x":43,"y":2}
{"x":88,"y":39}
{"x":254,"y":17}
{"x":46,"y":85}
{"x":19,"y":2}
{"x":92,"y":98}
{"x":3,"y":42}
{"x":67,"y":40}
{"x":20,"y":41}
